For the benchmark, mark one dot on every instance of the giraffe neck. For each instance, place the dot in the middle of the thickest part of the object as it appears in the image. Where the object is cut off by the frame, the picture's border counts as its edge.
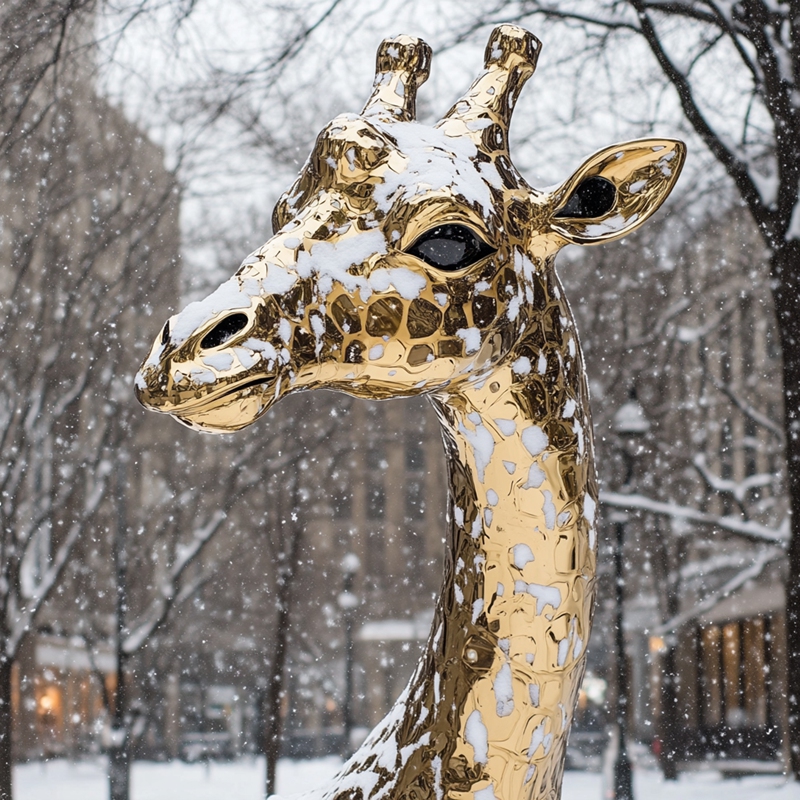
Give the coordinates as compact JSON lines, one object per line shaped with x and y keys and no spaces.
{"x":520,"y":579}
{"x":516,"y":602}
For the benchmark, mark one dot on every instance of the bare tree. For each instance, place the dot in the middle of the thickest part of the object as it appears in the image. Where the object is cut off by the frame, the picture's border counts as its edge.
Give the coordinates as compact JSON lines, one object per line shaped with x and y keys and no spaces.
{"x":286,"y":534}
{"x":82,"y":217}
{"x":686,"y":324}
{"x":757,"y":44}
{"x":182,"y":557}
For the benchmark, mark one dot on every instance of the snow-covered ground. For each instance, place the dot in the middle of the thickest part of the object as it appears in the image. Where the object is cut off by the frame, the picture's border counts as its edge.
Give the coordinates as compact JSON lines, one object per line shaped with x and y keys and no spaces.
{"x":243,"y":780}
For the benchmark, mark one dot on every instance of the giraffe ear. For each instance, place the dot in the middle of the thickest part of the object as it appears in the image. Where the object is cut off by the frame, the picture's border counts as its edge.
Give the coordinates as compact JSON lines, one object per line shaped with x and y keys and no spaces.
{"x":616,"y":190}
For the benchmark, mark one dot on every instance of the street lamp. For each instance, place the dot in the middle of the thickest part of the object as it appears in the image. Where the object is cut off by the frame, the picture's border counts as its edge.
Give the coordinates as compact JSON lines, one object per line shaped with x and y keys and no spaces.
{"x":348,"y":602}
{"x":629,"y":423}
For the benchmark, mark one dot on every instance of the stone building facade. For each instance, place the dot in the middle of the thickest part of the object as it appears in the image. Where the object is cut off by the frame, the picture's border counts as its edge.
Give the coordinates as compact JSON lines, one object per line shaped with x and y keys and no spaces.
{"x":88,"y":255}
{"x":688,"y":333}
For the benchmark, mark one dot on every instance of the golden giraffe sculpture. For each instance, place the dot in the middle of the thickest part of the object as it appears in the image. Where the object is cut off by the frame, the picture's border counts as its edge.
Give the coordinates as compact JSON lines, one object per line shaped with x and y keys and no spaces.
{"x":412,"y":260}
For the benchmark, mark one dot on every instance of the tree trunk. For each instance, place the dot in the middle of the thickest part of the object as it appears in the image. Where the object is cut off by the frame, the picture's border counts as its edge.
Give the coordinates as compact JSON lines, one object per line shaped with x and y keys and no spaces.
{"x":669,"y":732}
{"x":119,"y":770}
{"x":273,"y":723}
{"x":119,"y":755}
{"x":668,"y":725}
{"x":785,"y":271}
{"x":287,"y":566}
{"x":6,"y":721}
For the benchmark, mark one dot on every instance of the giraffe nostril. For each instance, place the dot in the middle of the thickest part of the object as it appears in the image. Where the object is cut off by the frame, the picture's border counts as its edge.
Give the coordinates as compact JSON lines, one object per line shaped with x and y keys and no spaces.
{"x":223,"y":331}
{"x":165,"y":334}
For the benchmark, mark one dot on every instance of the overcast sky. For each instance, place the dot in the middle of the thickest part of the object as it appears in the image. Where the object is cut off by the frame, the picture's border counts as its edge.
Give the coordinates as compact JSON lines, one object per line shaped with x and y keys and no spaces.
{"x":168,"y":76}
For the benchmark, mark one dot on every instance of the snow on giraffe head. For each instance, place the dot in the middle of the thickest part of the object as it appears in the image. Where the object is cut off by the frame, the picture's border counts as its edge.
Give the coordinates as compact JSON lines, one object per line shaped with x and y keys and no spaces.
{"x":403,"y":256}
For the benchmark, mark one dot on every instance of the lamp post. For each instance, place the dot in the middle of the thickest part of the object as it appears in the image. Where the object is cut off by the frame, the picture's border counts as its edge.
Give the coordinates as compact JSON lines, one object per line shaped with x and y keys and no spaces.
{"x":348,"y":602}
{"x":630,"y":423}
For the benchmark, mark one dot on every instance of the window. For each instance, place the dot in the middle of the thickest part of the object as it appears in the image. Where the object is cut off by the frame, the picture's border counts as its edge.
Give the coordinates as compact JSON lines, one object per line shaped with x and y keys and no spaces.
{"x":376,"y":555}
{"x":734,"y":674}
{"x":375,"y":459}
{"x":726,"y":463}
{"x":773,"y":343}
{"x":711,"y":676}
{"x":342,"y":502}
{"x":750,"y":445}
{"x":415,"y":499}
{"x":415,"y":454}
{"x":376,"y":493}
{"x":376,"y":499}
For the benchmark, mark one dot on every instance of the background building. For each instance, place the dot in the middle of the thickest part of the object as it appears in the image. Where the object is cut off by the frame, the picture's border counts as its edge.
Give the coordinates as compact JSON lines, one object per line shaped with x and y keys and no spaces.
{"x":691,"y":340}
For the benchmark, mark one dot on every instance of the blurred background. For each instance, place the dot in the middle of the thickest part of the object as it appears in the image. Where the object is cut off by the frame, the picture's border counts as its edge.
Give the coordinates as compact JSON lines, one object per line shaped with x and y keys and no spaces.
{"x":168,"y":596}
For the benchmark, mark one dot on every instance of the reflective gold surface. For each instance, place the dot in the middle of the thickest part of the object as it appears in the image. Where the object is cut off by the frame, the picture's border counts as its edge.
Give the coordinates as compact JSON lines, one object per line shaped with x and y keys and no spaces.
{"x":333,"y":300}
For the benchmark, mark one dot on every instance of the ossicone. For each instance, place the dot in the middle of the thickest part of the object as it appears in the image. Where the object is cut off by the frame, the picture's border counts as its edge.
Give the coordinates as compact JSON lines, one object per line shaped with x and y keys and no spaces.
{"x":483,"y":114}
{"x":402,"y":65}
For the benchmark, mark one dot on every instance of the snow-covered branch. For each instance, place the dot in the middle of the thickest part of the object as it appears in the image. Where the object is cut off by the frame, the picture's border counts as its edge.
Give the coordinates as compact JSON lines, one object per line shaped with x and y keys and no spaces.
{"x":740,"y":579}
{"x":170,"y":590}
{"x":738,"y":489}
{"x":24,"y":616}
{"x":754,"y":414}
{"x":745,"y":528}
{"x":721,"y":560}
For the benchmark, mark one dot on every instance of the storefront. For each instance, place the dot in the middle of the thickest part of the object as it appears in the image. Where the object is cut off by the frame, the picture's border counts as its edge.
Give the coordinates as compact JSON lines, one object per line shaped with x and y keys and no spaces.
{"x":57,"y":699}
{"x":731,"y":676}
{"x":736,"y":714}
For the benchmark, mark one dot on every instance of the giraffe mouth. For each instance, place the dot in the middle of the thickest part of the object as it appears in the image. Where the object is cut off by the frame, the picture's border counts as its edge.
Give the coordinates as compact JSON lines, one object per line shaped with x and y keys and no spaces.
{"x":235,"y":408}
{"x":256,"y":382}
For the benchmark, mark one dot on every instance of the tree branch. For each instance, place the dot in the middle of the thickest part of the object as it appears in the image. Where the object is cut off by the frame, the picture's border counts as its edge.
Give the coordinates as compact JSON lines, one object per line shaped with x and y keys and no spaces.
{"x":26,"y":615}
{"x":749,"y":573}
{"x":754,"y":414}
{"x":736,"y":168}
{"x":738,"y":489}
{"x":748,"y":529}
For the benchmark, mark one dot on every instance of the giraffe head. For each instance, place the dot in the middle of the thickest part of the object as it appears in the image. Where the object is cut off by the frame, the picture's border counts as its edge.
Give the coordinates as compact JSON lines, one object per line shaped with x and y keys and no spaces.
{"x":404,"y":256}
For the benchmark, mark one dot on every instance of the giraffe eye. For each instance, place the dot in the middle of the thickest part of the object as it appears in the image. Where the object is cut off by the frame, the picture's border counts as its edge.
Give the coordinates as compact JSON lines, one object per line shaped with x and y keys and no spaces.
{"x":450,"y":247}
